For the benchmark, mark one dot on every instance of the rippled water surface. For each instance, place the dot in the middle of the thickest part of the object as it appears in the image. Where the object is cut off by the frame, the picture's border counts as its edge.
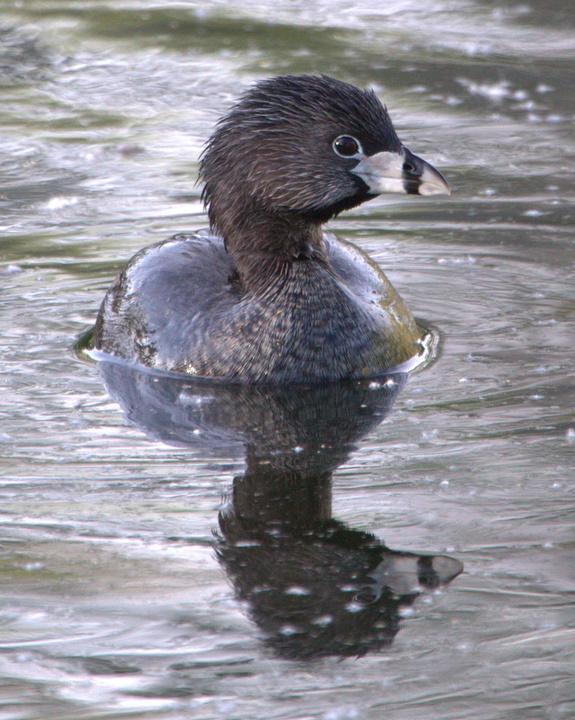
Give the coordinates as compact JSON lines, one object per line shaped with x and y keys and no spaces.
{"x":193,"y":562}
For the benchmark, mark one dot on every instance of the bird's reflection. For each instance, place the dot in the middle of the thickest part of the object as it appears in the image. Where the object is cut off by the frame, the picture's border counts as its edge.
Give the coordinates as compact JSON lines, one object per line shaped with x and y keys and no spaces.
{"x":313,"y":585}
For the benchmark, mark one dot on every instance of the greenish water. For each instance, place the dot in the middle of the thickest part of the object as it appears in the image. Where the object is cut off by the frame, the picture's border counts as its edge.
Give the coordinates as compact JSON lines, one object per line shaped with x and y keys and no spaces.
{"x":116,"y":599}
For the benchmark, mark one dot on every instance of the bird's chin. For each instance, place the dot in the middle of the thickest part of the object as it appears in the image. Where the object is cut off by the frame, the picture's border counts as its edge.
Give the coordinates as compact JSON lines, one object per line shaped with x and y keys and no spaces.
{"x":322,"y":215}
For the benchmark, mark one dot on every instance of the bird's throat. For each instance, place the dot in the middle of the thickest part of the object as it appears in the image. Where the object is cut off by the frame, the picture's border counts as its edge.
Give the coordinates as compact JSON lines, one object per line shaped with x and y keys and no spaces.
{"x":265,"y":251}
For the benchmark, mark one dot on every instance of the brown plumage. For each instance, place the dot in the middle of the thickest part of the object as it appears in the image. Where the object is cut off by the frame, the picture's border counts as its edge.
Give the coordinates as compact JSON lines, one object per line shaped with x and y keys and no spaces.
{"x":270,"y":298}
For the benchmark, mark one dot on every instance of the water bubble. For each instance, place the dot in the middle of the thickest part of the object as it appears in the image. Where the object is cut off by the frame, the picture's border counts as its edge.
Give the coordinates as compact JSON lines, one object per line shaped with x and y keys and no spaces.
{"x":32,"y":566}
{"x":297,"y":590}
{"x":456,"y":260}
{"x":341,"y":713}
{"x":323,"y":620}
{"x":495,"y":92}
{"x":289,"y":630}
{"x":59,"y":202}
{"x":11,"y":269}
{"x":354,"y":607}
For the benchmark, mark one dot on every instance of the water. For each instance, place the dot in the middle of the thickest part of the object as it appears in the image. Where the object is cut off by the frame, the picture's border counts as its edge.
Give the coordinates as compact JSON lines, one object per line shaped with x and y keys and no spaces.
{"x":114,"y":602}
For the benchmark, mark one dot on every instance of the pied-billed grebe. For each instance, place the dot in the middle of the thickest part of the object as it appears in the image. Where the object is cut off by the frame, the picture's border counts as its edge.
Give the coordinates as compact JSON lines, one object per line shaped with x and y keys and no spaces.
{"x":270,"y":298}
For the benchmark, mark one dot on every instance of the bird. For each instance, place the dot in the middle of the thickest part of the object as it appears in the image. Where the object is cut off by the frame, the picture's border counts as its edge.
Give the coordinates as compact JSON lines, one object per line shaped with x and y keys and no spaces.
{"x":265,"y":295}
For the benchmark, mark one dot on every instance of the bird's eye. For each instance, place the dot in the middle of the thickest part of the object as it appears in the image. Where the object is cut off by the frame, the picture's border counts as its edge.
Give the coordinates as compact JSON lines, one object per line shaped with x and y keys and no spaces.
{"x":346,"y":146}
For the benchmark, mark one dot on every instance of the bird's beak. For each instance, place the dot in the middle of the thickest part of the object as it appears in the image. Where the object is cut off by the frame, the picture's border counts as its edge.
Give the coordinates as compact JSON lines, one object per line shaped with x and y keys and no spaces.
{"x":402,"y":172}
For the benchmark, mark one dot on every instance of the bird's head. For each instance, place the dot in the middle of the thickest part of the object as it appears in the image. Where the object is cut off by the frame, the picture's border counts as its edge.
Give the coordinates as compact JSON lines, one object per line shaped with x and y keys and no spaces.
{"x":307,"y":146}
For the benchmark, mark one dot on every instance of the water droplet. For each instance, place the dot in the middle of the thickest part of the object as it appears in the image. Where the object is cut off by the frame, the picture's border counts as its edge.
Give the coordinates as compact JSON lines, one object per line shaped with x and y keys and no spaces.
{"x":289,"y":630}
{"x":323,"y":620}
{"x":297,"y":590}
{"x":354,"y":607}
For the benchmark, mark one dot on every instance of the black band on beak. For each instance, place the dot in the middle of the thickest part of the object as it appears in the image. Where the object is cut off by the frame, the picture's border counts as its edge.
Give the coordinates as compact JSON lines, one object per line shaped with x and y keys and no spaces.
{"x":421,"y":178}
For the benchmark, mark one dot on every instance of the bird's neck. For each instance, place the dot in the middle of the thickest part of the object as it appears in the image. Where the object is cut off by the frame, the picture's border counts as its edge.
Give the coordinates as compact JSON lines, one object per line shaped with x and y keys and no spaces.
{"x":265,"y":248}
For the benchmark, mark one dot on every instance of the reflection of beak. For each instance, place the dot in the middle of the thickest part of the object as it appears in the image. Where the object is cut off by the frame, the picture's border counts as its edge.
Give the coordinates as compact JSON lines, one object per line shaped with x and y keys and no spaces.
{"x":401,"y":172}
